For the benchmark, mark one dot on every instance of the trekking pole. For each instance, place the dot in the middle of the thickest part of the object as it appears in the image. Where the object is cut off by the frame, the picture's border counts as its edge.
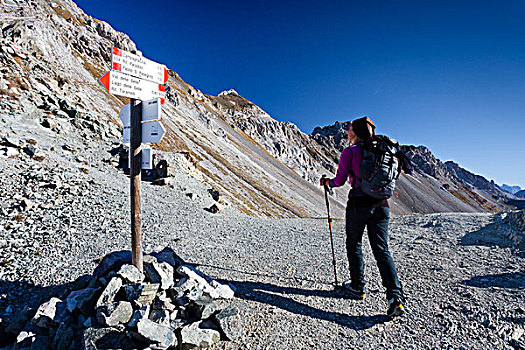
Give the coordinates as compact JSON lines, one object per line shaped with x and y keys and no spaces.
{"x":330,"y":226}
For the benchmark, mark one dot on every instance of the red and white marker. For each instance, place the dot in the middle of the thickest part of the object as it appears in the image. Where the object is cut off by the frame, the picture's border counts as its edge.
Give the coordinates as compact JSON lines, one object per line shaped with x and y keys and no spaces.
{"x":138,"y":66}
{"x":125,"y":85}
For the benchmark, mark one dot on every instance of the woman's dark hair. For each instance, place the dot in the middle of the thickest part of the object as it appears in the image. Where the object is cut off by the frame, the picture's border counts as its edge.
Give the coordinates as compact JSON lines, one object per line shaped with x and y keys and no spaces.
{"x":364,"y":128}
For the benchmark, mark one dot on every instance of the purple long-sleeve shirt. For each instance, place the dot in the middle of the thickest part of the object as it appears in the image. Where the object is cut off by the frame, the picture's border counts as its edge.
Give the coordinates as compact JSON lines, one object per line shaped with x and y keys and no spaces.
{"x":349,"y":161}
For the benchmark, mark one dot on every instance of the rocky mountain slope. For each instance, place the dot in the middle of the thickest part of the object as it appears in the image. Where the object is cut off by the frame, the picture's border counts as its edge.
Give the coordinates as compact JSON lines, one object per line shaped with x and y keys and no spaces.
{"x":53,"y":53}
{"x":520,"y":194}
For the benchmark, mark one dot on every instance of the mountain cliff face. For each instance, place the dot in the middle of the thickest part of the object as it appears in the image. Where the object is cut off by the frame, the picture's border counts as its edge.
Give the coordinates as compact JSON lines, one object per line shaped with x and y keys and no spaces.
{"x":52,"y":54}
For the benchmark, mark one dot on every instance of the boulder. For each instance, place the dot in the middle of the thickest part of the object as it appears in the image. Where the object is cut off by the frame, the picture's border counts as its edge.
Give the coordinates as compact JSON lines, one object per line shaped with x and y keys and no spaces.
{"x":141,"y":313}
{"x":112,"y":261}
{"x":10,"y":141}
{"x":131,"y":274}
{"x":115,"y":313}
{"x":215,"y":208}
{"x":132,"y":291}
{"x":110,"y":292}
{"x":161,"y":317}
{"x":229,"y":322}
{"x":49,"y":313}
{"x":168,"y":255}
{"x":25,"y":339}
{"x":194,"y":335}
{"x":160,"y":273}
{"x":148,"y":293}
{"x":163,"y":303}
{"x":9,"y":152}
{"x":156,"y":333}
{"x":90,"y":337}
{"x":213,"y":288}
{"x":214,"y":194}
{"x":208,"y":307}
{"x":82,"y":299}
{"x":63,"y":337}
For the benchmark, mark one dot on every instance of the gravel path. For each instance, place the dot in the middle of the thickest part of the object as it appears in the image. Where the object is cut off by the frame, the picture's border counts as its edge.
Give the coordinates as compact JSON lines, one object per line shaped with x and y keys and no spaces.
{"x":56,"y":221}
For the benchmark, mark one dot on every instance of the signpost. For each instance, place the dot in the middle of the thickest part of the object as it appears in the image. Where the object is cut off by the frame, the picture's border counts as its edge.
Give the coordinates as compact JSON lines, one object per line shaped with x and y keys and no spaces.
{"x":138,"y":66}
{"x":125,"y":85}
{"x":134,"y":176}
{"x":139,"y":79}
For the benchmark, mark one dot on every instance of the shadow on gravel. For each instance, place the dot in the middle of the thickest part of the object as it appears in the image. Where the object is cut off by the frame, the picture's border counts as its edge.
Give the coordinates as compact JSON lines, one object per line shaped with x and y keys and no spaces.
{"x":22,"y":300}
{"x":260,"y":274}
{"x":504,"y":280}
{"x":264,"y":293}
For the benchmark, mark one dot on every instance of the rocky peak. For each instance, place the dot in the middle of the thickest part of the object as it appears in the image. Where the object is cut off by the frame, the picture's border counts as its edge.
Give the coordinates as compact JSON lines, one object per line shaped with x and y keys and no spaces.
{"x":469,"y":178}
{"x":230,"y":92}
{"x":332,"y":136}
{"x":425,"y":162}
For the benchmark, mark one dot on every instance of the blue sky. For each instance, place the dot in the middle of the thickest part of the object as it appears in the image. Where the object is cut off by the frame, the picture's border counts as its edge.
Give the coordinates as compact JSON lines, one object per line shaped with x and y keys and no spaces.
{"x":449,"y":75}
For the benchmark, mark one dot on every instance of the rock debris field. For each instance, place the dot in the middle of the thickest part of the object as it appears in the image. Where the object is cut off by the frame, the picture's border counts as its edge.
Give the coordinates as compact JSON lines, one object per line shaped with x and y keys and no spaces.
{"x":64,"y":208}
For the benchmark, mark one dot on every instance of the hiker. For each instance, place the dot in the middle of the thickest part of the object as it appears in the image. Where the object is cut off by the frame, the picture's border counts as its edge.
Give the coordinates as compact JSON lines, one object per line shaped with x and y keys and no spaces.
{"x":364,"y":210}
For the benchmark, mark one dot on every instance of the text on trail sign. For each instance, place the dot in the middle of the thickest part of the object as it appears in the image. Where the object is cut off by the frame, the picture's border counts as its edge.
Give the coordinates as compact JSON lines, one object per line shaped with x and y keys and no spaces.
{"x":138,"y":66}
{"x":125,"y":85}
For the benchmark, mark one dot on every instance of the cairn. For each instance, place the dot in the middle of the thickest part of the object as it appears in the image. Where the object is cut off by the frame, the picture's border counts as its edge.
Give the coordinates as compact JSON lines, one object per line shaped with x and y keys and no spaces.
{"x":169,"y":306}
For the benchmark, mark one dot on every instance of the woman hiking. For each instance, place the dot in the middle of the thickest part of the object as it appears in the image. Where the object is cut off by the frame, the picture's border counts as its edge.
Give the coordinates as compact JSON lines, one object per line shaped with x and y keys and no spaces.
{"x":365,"y":211}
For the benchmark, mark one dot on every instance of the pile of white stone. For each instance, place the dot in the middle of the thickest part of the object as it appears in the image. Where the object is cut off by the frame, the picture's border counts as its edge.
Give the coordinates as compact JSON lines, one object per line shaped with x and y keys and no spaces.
{"x":170,"y":305}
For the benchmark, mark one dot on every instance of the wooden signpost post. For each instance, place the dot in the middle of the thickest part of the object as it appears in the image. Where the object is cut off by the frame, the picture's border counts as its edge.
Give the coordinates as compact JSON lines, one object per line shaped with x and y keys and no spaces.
{"x":139,"y":79}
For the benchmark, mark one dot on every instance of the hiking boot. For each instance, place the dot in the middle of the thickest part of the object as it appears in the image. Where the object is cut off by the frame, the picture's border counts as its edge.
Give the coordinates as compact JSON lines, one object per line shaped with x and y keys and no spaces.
{"x":395,"y":308}
{"x":354,"y":293}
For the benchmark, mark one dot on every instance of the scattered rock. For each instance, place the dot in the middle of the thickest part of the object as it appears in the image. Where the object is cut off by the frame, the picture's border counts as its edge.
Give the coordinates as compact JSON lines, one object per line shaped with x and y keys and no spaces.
{"x":215,"y":208}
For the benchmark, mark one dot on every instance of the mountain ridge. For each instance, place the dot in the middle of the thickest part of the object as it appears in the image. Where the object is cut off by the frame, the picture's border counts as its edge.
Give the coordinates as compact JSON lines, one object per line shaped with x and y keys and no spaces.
{"x":264,"y":166}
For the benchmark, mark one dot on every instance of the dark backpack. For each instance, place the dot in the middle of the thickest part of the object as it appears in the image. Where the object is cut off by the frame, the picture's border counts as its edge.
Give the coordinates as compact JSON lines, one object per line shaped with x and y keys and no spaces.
{"x":381,"y":166}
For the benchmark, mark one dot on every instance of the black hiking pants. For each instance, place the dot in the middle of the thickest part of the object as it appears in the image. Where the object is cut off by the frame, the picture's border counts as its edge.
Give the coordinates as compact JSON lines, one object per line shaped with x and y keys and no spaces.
{"x":376,"y":221}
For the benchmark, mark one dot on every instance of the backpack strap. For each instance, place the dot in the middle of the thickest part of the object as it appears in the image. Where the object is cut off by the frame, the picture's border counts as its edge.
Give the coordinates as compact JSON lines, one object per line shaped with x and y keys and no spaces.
{"x":355,"y":179}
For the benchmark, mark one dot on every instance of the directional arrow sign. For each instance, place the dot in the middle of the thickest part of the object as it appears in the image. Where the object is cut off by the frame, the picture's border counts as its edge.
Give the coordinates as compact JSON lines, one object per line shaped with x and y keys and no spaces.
{"x":152,"y":132}
{"x":150,"y":111}
{"x":125,"y":85}
{"x":125,"y":115}
{"x":138,"y":66}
